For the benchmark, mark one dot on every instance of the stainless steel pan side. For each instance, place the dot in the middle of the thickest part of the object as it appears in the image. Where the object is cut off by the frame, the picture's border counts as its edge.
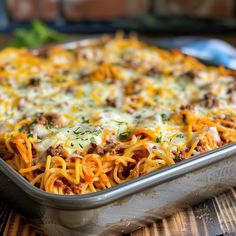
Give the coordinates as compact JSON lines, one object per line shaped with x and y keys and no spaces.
{"x":127,"y":206}
{"x":93,"y":200}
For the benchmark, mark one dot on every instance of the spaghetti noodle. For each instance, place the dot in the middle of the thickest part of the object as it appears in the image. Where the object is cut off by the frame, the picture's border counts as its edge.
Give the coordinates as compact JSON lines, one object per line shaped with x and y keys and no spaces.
{"x":83,"y":120}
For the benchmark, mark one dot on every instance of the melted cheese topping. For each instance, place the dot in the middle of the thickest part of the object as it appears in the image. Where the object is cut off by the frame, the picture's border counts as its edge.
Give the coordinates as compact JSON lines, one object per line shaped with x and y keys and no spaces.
{"x":158,"y":107}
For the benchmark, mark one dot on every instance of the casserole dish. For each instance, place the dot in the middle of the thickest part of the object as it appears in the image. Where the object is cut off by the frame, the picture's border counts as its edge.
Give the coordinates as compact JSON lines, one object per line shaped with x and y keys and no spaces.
{"x":127,"y":206}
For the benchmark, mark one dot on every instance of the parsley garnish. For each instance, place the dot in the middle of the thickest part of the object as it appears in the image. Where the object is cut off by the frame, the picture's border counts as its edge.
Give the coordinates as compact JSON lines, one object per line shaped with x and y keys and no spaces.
{"x":177,"y":158}
{"x":159,"y":139}
{"x":138,"y":117}
{"x":180,"y":136}
{"x":76,"y":131}
{"x":87,"y":131}
{"x":21,"y":129}
{"x":29,"y":133}
{"x":164,"y":117}
{"x":84,"y":120}
{"x":120,"y":122}
{"x":124,"y":135}
{"x":50,"y":126}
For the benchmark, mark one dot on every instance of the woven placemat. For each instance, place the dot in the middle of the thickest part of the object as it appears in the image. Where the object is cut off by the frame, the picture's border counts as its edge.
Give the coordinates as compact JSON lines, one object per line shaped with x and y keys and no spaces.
{"x":214,"y":217}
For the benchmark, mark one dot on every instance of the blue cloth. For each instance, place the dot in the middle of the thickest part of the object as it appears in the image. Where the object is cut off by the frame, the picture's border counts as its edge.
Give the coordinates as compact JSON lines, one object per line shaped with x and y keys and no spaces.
{"x":211,"y":50}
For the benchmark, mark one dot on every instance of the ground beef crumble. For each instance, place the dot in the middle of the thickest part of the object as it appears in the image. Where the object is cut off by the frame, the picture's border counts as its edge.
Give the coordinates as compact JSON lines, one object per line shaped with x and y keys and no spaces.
{"x":49,"y":119}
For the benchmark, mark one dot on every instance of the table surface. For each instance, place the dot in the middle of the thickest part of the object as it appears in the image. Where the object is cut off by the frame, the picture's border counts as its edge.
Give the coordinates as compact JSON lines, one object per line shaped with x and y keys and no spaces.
{"x":214,"y":217}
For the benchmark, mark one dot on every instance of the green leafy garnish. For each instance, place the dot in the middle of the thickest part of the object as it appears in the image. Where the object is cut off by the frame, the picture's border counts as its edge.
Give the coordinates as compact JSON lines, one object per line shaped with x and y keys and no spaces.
{"x":180,"y":136}
{"x":124,"y":135}
{"x":30,"y":135}
{"x":159,"y":139}
{"x":164,"y":118}
{"x":36,"y":36}
{"x":80,"y":132}
{"x":51,"y":126}
{"x":77,"y":131}
{"x":177,"y":158}
{"x":84,"y":120}
{"x":138,"y":117}
{"x":21,"y":129}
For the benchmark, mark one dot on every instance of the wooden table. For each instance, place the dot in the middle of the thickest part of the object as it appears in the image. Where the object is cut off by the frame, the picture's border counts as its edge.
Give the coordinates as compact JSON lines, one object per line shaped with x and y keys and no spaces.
{"x":214,"y":217}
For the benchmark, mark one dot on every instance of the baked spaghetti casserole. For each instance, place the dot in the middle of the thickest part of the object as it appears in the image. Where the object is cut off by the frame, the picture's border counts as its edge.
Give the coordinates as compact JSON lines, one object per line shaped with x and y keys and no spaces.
{"x":83,"y":120}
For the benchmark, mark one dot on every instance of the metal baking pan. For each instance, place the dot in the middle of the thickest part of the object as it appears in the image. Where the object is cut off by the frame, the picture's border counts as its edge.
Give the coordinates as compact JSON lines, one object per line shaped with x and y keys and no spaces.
{"x":125,"y":207}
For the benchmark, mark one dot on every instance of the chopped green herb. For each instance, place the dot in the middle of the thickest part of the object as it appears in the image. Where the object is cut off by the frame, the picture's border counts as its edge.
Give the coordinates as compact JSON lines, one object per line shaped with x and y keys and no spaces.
{"x":21,"y":129}
{"x":77,"y":131}
{"x":51,"y":126}
{"x":29,"y":133}
{"x":124,"y":135}
{"x":120,"y":122}
{"x":81,"y":145}
{"x":180,"y":136}
{"x":72,"y":145}
{"x":97,"y":132}
{"x":84,"y":120}
{"x":164,"y":117}
{"x":159,"y":139}
{"x":177,"y":158}
{"x":83,"y":132}
{"x":138,"y":117}
{"x":84,"y":139}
